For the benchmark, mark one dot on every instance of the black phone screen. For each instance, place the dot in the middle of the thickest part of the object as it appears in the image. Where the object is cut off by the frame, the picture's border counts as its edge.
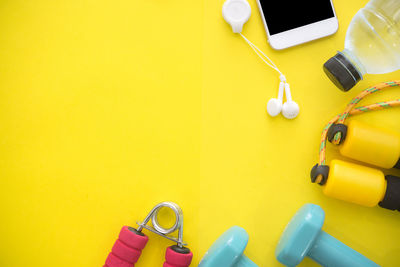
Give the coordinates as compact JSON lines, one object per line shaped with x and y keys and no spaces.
{"x":284,"y":15}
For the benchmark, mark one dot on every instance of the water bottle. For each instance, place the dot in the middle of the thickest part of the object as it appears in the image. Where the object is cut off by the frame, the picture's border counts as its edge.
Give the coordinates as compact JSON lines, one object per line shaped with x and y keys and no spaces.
{"x":372,"y":45}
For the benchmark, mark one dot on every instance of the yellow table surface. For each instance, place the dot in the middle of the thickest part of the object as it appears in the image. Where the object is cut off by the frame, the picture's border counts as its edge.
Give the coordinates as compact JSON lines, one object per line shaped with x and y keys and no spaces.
{"x":109,"y":107}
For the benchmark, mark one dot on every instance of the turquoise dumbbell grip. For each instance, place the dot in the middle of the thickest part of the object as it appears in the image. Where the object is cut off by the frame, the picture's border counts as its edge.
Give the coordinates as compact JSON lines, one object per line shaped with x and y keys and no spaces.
{"x":328,"y":251}
{"x":245,"y":262}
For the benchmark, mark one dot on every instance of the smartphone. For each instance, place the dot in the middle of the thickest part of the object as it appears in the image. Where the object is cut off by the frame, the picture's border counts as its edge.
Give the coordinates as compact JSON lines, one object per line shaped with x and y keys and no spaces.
{"x":292,"y":22}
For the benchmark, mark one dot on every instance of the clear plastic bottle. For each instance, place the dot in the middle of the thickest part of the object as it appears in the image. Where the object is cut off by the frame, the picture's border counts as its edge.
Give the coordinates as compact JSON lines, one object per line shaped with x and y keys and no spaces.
{"x":372,"y":45}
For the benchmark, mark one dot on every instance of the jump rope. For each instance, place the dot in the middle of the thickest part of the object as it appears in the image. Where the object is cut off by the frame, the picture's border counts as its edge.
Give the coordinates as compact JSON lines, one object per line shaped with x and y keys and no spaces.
{"x":352,"y":110}
{"x":353,"y":182}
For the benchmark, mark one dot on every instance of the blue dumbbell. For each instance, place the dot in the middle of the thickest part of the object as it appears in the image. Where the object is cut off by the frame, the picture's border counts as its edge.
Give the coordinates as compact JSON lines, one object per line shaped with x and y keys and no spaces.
{"x":228,"y":250}
{"x":303,"y":237}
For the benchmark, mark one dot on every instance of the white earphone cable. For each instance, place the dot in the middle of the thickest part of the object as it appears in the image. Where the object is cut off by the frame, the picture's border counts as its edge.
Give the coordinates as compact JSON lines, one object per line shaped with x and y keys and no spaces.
{"x":263,"y":56}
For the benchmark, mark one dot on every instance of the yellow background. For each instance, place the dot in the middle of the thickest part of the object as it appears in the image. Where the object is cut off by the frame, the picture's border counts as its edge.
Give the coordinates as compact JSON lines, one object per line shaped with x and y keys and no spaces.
{"x":109,"y":107}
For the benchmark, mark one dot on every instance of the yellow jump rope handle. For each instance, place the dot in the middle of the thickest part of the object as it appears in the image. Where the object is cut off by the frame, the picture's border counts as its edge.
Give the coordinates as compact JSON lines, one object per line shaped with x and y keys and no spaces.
{"x":372,"y":145}
{"x":355,"y":183}
{"x":362,"y":185}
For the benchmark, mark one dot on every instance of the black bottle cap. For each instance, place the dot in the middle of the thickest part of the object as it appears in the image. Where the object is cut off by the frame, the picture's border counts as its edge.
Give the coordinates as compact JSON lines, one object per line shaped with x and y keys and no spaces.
{"x":342,"y":72}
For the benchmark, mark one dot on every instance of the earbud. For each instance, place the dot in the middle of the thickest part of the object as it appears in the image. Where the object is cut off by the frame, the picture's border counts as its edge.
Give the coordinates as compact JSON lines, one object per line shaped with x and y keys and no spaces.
{"x":274,"y":106}
{"x":290,"y":109}
{"x":236,"y":13}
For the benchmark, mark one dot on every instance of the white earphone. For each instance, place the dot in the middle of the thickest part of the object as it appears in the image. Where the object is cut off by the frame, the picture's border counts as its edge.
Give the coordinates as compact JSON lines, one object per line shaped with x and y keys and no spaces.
{"x":274,"y":106}
{"x":237,"y":13}
{"x":290,"y":109}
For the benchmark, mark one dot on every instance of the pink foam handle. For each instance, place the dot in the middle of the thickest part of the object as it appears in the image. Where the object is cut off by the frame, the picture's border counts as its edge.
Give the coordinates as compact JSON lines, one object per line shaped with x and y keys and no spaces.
{"x":127,"y":249}
{"x":125,"y":253}
{"x":175,"y":259}
{"x":114,"y":261}
{"x":131,"y":239}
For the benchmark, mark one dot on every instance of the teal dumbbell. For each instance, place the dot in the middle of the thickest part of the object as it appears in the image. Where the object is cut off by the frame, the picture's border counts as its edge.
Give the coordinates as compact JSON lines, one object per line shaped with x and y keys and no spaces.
{"x":303,"y":237}
{"x":228,"y":250}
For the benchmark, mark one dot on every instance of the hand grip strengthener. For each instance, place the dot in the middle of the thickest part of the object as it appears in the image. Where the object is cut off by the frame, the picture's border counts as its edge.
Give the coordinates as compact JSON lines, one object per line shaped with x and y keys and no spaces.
{"x":130,"y":243}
